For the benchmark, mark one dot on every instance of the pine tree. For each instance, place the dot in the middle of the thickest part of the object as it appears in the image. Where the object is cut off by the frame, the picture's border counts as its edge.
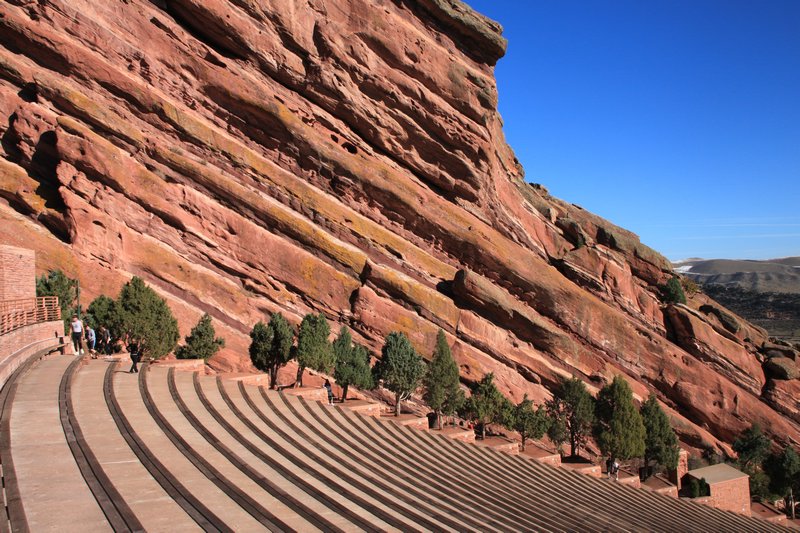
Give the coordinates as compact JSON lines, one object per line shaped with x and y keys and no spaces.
{"x":530,"y":423}
{"x":441,"y":381}
{"x":352,"y":363}
{"x":56,"y":283}
{"x":784,"y":472}
{"x":618,"y":430}
{"x":400,"y":368}
{"x":752,"y":447}
{"x":271,"y":346}
{"x":485,"y":404}
{"x":672,"y":292}
{"x":201,"y":342}
{"x":572,"y":413}
{"x":140,"y":313}
{"x":100,"y":311}
{"x":313,"y":349}
{"x":661,"y":444}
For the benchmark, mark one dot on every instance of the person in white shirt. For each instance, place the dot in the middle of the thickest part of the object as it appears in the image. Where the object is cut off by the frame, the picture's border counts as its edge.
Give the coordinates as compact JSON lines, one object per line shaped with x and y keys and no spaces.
{"x":76,"y":327}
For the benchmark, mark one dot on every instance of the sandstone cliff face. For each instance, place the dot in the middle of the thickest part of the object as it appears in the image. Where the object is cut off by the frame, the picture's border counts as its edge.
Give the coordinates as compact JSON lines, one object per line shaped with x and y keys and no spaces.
{"x":250,"y":156}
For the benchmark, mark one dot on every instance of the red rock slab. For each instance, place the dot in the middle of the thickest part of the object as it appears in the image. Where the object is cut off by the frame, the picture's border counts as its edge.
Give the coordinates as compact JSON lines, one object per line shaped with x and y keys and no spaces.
{"x":768,"y":512}
{"x":584,"y":467}
{"x":500,"y":444}
{"x":456,"y":433}
{"x":311,"y":394}
{"x":361,"y":406}
{"x":186,"y":365}
{"x":658,"y":483}
{"x":247,"y":378}
{"x":541,"y":455}
{"x":407,"y":420}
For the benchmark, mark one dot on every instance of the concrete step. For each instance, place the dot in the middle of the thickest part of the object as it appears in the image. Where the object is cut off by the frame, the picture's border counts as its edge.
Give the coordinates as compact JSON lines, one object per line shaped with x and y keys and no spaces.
{"x":275,"y":459}
{"x":51,"y":487}
{"x":395,"y":487}
{"x":190,"y":482}
{"x":155,"y":509}
{"x":221,"y":459}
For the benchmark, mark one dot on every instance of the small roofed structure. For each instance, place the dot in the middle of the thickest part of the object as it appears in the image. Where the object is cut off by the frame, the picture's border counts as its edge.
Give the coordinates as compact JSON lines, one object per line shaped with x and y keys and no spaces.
{"x":729,"y":488}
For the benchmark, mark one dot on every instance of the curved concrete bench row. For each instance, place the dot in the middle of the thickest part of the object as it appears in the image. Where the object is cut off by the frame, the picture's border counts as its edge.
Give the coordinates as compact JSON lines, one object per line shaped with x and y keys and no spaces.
{"x":87,"y":446}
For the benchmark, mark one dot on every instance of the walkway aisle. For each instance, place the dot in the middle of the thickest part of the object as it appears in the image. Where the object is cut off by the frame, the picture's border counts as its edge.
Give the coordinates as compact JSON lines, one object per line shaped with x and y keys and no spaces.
{"x":154,"y":508}
{"x":51,"y":487}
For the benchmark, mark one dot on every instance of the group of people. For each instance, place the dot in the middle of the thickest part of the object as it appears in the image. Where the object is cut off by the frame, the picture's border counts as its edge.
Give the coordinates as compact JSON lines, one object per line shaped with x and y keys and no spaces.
{"x":85,"y":339}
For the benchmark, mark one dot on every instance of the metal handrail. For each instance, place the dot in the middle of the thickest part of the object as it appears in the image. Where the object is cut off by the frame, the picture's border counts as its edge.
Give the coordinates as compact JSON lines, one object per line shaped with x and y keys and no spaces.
{"x":15,"y":314}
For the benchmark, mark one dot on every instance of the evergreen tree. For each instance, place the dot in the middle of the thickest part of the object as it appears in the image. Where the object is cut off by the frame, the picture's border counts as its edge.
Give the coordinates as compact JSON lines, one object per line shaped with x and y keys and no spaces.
{"x":400,"y":368}
{"x":352,"y":363}
{"x":784,"y":473}
{"x":572,"y":413}
{"x":752,"y":446}
{"x":530,"y":423}
{"x":271,"y":346}
{"x":313,"y":349}
{"x":140,"y":313}
{"x":672,"y":292}
{"x":661,"y":444}
{"x":486,"y":404}
{"x":618,"y":429}
{"x":56,"y":283}
{"x":441,"y":381}
{"x":201,"y":342}
{"x":454,"y":403}
{"x":100,"y":311}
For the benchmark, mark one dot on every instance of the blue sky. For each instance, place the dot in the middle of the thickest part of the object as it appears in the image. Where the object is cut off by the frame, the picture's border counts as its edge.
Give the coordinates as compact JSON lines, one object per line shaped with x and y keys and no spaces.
{"x":678,"y":120}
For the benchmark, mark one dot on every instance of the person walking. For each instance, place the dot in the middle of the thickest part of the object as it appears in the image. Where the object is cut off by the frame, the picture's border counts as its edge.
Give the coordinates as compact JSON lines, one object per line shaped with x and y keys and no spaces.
{"x":91,"y":340}
{"x":329,"y":388}
{"x":76,"y":329}
{"x":135,"y":350}
{"x":101,"y":339}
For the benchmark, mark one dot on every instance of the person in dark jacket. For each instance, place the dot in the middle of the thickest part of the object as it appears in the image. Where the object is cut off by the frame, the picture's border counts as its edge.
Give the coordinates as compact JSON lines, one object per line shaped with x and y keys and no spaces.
{"x":329,"y":388}
{"x":135,"y":350}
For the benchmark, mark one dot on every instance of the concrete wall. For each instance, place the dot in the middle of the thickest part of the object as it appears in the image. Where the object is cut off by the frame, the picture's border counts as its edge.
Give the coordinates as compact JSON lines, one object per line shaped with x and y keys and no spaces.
{"x":18,"y":345}
{"x":17,"y":273}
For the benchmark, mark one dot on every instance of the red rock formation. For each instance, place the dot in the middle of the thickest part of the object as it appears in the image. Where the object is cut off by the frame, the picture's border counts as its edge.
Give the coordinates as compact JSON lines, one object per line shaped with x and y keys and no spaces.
{"x":344,"y":157}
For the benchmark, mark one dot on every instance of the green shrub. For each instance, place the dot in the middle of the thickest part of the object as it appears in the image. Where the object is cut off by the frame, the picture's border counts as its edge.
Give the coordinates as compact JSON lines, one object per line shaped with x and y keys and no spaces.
{"x":441,"y":381}
{"x":619,"y":430}
{"x":571,"y":412}
{"x":140,"y":313}
{"x":661,"y":444}
{"x":352,"y":364}
{"x":56,"y":283}
{"x":486,"y":404}
{"x":400,"y":368}
{"x":201,"y":342}
{"x":313,"y":349}
{"x":672,"y":292}
{"x":271,"y":346}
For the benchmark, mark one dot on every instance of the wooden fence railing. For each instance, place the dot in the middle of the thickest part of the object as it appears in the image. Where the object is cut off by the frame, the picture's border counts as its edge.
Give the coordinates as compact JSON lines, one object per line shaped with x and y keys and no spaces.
{"x":15,"y":314}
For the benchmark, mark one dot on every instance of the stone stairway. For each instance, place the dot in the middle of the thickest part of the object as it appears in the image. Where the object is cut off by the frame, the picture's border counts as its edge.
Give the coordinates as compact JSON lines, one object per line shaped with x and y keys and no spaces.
{"x":87,"y":446}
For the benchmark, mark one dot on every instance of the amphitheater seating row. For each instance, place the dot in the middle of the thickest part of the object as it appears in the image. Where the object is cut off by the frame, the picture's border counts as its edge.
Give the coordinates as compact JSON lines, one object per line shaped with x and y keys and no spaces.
{"x":87,"y":446}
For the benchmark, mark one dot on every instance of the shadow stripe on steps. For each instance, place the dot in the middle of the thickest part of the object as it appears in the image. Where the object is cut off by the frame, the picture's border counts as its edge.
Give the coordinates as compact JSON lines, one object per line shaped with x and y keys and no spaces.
{"x":422,"y":518}
{"x":338,"y":507}
{"x":204,"y":517}
{"x":245,"y":501}
{"x":438,"y":473}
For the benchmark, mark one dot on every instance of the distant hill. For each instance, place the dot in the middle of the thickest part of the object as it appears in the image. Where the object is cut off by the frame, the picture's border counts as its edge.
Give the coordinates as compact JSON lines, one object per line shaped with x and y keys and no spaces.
{"x":774,"y":275}
{"x":765,"y":292}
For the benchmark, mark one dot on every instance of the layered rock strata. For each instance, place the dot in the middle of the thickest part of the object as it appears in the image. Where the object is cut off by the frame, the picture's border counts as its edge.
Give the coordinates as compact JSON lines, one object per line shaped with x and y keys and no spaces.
{"x":347,"y":157}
